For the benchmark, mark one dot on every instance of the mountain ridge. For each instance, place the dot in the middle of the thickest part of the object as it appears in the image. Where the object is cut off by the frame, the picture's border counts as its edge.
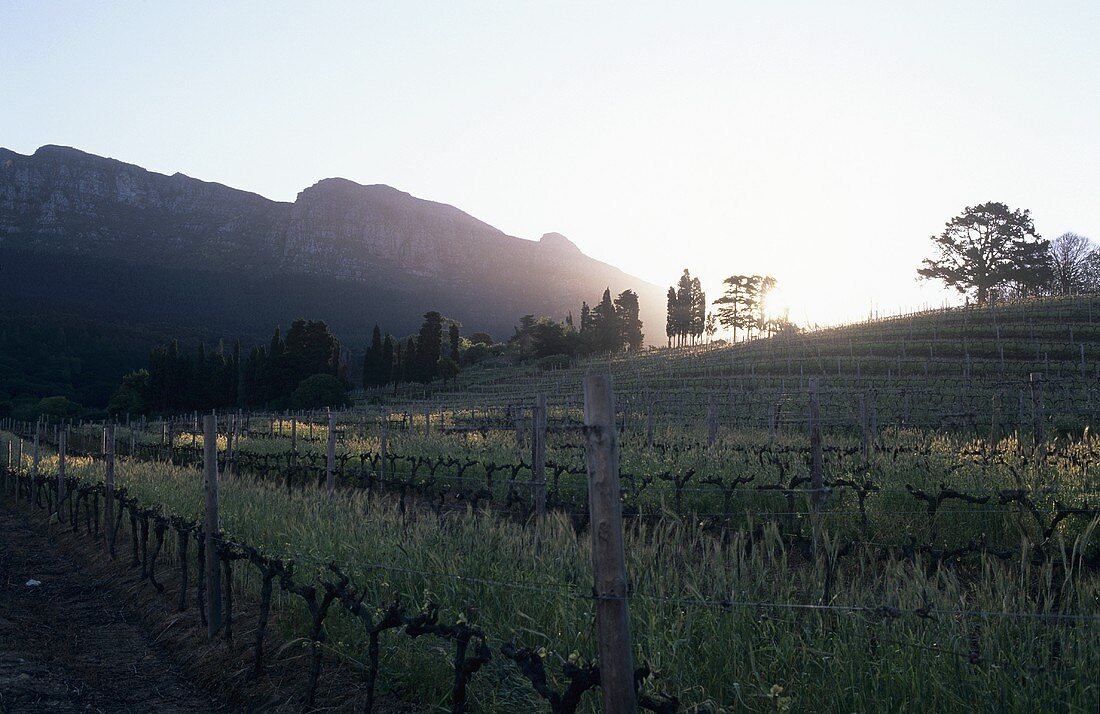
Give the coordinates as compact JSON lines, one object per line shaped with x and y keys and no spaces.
{"x":64,"y":201}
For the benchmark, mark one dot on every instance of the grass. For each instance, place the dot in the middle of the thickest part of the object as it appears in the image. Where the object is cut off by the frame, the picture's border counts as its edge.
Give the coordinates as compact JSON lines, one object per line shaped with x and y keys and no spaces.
{"x":710,"y":656}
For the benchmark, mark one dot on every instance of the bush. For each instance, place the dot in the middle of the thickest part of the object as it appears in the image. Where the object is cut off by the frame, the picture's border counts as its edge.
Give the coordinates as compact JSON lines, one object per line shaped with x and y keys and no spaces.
{"x":58,"y":408}
{"x":554,"y":362}
{"x":320,"y":390}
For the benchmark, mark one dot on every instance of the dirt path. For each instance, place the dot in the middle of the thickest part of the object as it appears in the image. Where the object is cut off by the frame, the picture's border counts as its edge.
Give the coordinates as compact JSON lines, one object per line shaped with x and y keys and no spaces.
{"x":66,"y":646}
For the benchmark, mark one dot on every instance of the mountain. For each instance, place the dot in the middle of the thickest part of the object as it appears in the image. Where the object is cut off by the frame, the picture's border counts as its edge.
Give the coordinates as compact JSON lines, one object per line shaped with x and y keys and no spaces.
{"x":90,"y":238}
{"x":109,"y":248}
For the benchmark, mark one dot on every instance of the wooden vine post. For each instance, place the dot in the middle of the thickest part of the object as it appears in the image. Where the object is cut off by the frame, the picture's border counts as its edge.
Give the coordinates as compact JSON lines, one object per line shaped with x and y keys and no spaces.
{"x":34,"y":455}
{"x":608,"y":559}
{"x":384,"y":449}
{"x":294,"y":440}
{"x":517,"y":420}
{"x":649,"y":424}
{"x":817,"y":481}
{"x":62,"y":445}
{"x":538,"y":455}
{"x":109,"y":496}
{"x":1036,"y":380}
{"x":995,"y":423}
{"x":330,"y":461}
{"x":712,"y":423}
{"x":211,"y":526}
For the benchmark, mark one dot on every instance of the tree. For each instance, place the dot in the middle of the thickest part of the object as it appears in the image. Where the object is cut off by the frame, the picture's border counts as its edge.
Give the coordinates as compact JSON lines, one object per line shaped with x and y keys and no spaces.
{"x":670,"y":319}
{"x":764,"y":284}
{"x":550,"y":338}
{"x":711,"y":326}
{"x":627,"y":315}
{"x":58,"y":407}
{"x":447,"y":369}
{"x":1069,"y":258}
{"x":130,"y":397}
{"x":606,"y":324}
{"x":429,"y":347}
{"x":698,"y":311}
{"x":986,"y":247}
{"x":481,"y":338}
{"x":1092,"y":272}
{"x":453,"y":337}
{"x":373,"y":375}
{"x":738,"y":304}
{"x":687,"y":307}
{"x":385,"y":369}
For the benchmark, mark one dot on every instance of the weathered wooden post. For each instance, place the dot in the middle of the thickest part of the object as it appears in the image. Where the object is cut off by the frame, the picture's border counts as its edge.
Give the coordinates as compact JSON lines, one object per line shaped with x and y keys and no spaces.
{"x":211,"y":526}
{"x":1036,"y":381}
{"x":62,"y":444}
{"x":712,"y":423}
{"x":608,"y":559}
{"x":230,"y":427}
{"x":538,"y":455}
{"x":35,"y":454}
{"x":517,"y":420}
{"x":864,"y":430}
{"x":995,"y":423}
{"x":330,"y":461}
{"x":649,"y":425}
{"x":384,"y":450}
{"x":109,"y":496}
{"x":817,"y":481}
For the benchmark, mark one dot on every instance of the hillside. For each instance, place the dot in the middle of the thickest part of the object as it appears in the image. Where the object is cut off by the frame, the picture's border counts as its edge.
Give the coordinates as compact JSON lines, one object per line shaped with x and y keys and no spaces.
{"x":939,"y":369}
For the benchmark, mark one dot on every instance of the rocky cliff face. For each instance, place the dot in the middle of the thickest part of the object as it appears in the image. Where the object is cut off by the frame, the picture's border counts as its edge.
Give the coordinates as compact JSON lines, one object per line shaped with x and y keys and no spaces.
{"x":60,"y":201}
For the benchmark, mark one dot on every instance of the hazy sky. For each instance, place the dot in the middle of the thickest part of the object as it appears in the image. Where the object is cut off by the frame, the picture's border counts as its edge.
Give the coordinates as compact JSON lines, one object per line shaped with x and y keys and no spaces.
{"x":820,"y":142}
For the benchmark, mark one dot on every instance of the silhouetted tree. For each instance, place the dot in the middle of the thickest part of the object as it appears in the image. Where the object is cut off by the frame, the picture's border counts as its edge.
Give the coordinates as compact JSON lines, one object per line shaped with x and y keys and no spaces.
{"x":1069,"y":258}
{"x":629,"y":323}
{"x":373,"y":373}
{"x":606,"y":324}
{"x":429,"y":347}
{"x":453,"y":337}
{"x":737,"y":307}
{"x":698,"y":316}
{"x":988,"y":246}
{"x":671,"y":329}
{"x":385,"y":369}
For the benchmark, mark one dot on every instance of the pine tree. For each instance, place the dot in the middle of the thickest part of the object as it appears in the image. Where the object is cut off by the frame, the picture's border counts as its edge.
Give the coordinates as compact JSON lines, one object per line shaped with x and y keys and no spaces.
{"x":385,"y":370}
{"x":670,"y":318}
{"x":453,"y":337}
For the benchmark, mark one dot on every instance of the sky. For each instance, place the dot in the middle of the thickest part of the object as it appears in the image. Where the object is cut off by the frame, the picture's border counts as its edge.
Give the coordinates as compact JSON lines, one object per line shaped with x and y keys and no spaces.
{"x":819,"y":142}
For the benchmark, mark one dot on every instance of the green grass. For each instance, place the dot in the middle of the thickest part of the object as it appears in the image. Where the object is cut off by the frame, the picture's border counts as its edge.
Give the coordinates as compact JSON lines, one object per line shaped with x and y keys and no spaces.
{"x":707,"y":655}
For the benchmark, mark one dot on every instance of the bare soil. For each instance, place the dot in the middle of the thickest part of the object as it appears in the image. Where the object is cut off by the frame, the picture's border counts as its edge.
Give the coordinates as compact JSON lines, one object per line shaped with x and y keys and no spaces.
{"x":70,"y":645}
{"x":94,"y":636}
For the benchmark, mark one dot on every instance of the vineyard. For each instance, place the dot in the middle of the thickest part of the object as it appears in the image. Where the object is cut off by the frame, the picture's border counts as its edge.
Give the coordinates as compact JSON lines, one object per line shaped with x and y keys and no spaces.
{"x":900,"y":514}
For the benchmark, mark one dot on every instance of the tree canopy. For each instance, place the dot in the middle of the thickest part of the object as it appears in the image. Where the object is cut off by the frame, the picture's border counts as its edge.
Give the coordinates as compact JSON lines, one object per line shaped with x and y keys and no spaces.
{"x":987,"y":247}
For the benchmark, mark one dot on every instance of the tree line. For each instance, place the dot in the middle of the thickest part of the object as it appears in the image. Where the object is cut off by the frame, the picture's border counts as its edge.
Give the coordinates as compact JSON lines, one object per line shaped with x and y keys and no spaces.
{"x":612,"y":325}
{"x":301,"y":371}
{"x":741,"y":307}
{"x":420,"y":358}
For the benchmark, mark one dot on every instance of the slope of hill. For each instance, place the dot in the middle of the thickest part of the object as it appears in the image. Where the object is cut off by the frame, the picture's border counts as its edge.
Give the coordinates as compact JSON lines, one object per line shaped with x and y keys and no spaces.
{"x":960,"y":368}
